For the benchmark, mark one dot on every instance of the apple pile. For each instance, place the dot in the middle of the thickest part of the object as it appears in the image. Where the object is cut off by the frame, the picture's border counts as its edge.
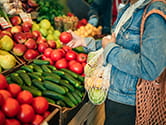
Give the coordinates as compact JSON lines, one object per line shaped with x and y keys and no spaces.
{"x":65,"y":57}
{"x":19,"y":107}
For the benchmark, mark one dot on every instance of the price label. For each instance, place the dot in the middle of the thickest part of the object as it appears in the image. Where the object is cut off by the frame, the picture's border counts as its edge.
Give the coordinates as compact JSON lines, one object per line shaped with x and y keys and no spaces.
{"x":26,"y":17}
{"x":4,"y":24}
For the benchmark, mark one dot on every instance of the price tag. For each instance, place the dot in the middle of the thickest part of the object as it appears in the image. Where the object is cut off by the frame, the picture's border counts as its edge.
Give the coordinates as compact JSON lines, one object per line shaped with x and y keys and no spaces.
{"x":26,"y":17}
{"x":4,"y":24}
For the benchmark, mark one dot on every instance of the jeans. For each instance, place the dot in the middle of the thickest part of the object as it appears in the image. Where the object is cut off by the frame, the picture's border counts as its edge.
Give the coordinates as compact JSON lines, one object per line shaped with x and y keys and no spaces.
{"x":119,"y":114}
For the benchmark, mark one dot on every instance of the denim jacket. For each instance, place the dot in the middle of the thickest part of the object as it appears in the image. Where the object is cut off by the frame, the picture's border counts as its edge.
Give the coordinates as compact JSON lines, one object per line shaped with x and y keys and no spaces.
{"x":129,"y":60}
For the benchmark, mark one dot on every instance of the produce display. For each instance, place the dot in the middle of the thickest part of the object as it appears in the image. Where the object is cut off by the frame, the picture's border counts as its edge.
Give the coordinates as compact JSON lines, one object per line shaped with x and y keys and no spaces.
{"x":62,"y":87}
{"x":19,"y":106}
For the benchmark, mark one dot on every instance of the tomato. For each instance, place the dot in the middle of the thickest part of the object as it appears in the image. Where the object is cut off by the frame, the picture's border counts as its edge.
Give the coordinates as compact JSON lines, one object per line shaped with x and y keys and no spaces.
{"x":56,"y":55}
{"x":13,"y":121}
{"x":25,"y":97}
{"x":38,"y":119}
{"x":83,"y":64}
{"x":71,"y":55}
{"x":11,"y":107}
{"x":71,"y":62}
{"x":47,"y":52}
{"x":77,"y":68}
{"x":46,"y":114}
{"x":14,"y":89}
{"x":62,"y":63}
{"x":30,"y":54}
{"x":2,"y":118}
{"x":3,"y":82}
{"x":6,"y":94}
{"x":40,"y":104}
{"x":82,"y":57}
{"x":26,"y":113}
{"x":65,"y":37}
{"x":2,"y":99}
{"x":42,"y":46}
{"x":43,"y":57}
{"x":66,"y":48}
{"x":50,"y":60}
{"x":62,"y":51}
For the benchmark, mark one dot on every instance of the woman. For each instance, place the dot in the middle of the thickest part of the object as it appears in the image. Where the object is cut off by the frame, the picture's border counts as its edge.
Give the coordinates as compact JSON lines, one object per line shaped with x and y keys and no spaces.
{"x":129,"y":60}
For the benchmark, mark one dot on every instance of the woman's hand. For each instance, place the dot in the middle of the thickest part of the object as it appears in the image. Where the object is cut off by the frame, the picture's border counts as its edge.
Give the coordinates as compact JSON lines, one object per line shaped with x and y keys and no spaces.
{"x":76,"y":41}
{"x":108,"y":39}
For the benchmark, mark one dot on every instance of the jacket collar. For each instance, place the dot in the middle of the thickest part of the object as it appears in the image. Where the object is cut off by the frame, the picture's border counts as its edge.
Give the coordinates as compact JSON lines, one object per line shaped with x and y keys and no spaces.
{"x":143,"y":5}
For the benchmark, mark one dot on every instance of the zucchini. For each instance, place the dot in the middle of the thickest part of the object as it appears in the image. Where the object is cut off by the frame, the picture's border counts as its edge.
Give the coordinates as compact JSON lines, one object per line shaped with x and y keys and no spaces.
{"x":54,"y":87}
{"x":69,"y":102}
{"x":34,"y":92}
{"x":53,"y":95}
{"x":37,"y":68}
{"x":66,"y":84}
{"x":25,"y":77}
{"x":28,"y":68}
{"x":45,"y":68}
{"x":40,"y":62}
{"x":16,"y":78}
{"x":72,"y":98}
{"x":38,"y":84}
{"x":52,"y":79}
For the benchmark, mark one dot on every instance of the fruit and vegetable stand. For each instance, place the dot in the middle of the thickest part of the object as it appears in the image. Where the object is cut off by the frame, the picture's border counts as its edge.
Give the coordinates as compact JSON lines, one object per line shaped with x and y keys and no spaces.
{"x":41,"y":78}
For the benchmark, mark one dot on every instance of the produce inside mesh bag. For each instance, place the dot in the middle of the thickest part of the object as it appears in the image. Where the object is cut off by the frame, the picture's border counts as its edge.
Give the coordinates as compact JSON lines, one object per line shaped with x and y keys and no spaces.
{"x":97,"y":77}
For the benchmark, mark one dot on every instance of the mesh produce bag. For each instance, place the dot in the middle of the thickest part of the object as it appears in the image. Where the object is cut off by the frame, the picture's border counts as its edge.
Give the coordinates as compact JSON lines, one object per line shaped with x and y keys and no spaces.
{"x":97,"y":77}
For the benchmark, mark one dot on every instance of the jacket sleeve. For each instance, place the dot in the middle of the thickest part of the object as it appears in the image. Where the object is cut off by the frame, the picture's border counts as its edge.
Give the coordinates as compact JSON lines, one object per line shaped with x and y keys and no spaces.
{"x":151,"y":61}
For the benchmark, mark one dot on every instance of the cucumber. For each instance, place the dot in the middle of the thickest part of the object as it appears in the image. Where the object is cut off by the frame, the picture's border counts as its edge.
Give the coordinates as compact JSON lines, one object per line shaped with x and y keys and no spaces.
{"x":54,"y":87}
{"x":37,"y":73}
{"x":77,"y":97}
{"x":79,"y":49}
{"x":38,"y":84}
{"x":34,"y":92}
{"x":79,"y":93}
{"x":69,"y":102}
{"x":51,"y":67}
{"x":34,"y":76}
{"x":60,"y":73}
{"x":66,"y":84}
{"x":69,"y":72}
{"x":40,"y":62}
{"x":61,"y":103}
{"x":66,"y":89}
{"x":28,"y":68}
{"x":50,"y":100}
{"x":9,"y":80}
{"x":16,"y":78}
{"x":45,"y":68}
{"x":51,"y":74}
{"x":72,"y":98}
{"x":72,"y":80}
{"x":37,"y":68}
{"x":25,"y":77}
{"x":81,"y":78}
{"x":20,"y":71}
{"x":53,"y":95}
{"x":52,"y":79}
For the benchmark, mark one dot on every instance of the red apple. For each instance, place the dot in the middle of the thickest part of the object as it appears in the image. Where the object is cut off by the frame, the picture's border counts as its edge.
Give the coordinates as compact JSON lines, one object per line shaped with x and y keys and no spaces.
{"x":31,"y":43}
{"x":51,"y":43}
{"x":29,"y":35}
{"x":42,"y":46}
{"x":5,"y":33}
{"x":36,"y":34}
{"x":26,"y":26}
{"x":19,"y":49}
{"x":16,"y":29}
{"x":15,"y":20}
{"x":7,"y":29}
{"x":50,"y":60}
{"x":20,"y":37}
{"x":41,"y":39}
{"x":65,"y":37}
{"x":30,"y":54}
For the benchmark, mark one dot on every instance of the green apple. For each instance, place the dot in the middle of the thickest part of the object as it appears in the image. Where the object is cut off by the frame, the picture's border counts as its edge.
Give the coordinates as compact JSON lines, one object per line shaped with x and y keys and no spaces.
{"x":35,"y":26}
{"x":50,"y":37}
{"x":43,"y":31}
{"x":57,"y":33}
{"x":45,"y":23}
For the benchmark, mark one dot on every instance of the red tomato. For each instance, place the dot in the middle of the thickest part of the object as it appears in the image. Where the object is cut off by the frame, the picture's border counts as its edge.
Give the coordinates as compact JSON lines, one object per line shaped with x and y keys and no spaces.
{"x":71,"y":62}
{"x":2,"y":100}
{"x":38,"y":119}
{"x":47,"y":52}
{"x":71,"y":55}
{"x":46,"y":114}
{"x":2,"y":118}
{"x":3,"y":82}
{"x":83,"y":64}
{"x":62,"y":51}
{"x":6,"y":94}
{"x":14,"y":89}
{"x":56,"y":55}
{"x":42,"y":46}
{"x":12,"y":122}
{"x":25,"y":97}
{"x":40,"y":104}
{"x":62,"y":63}
{"x":66,"y":48}
{"x":11,"y":107}
{"x":77,"y":68}
{"x":26,"y":114}
{"x":43,"y":57}
{"x":65,"y":37}
{"x":50,"y":60}
{"x":82,"y":57}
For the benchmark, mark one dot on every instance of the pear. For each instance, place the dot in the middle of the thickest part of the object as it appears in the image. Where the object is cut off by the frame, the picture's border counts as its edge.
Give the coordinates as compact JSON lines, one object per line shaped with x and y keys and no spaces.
{"x":45,"y":23}
{"x":3,"y":52}
{"x":7,"y":61}
{"x":6,"y":43}
{"x":35,"y":27}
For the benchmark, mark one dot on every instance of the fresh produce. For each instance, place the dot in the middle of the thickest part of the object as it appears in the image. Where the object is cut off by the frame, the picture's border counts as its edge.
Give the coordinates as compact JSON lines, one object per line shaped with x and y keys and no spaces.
{"x":19,"y":49}
{"x":2,"y":118}
{"x":14,"y":89}
{"x":65,"y":37}
{"x":3,"y":82}
{"x":6,"y":43}
{"x":7,"y":61}
{"x":25,"y":97}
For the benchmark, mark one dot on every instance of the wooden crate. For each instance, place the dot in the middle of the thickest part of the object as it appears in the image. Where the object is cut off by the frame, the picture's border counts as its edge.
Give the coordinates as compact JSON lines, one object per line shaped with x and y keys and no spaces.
{"x":89,"y":114}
